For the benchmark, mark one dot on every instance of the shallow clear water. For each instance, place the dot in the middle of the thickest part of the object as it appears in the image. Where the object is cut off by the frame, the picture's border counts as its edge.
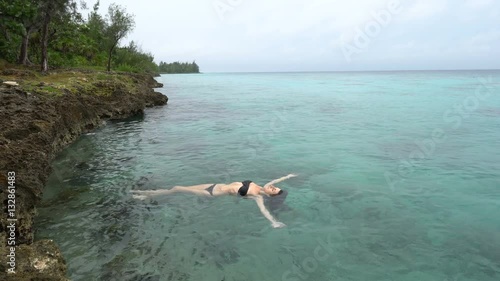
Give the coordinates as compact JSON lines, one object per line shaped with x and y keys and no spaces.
{"x":380,"y":195}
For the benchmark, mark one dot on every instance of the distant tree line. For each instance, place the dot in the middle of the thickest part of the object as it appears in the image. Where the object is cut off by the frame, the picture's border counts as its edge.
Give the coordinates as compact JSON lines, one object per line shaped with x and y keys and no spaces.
{"x":52,"y":33}
{"x":179,"y":67}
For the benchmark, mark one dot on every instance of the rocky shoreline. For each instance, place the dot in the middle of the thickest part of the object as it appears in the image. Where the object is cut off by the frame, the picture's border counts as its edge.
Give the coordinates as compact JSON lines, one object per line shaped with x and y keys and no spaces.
{"x":37,"y":124}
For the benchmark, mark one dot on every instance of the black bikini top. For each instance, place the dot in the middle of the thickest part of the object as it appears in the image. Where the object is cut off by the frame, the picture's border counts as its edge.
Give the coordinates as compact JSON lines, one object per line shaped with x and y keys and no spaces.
{"x":244,"y":188}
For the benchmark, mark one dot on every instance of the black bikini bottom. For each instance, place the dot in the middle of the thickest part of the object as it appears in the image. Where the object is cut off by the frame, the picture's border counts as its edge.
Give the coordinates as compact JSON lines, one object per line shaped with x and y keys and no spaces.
{"x":210,"y":189}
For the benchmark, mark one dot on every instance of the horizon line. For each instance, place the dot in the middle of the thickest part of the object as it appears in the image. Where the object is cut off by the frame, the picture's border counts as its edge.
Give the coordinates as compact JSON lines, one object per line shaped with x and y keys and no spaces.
{"x":329,"y":71}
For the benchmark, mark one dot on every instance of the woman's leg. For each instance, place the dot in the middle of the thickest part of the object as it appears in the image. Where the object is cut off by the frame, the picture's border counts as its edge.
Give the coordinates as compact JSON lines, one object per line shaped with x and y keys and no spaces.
{"x":195,"y":189}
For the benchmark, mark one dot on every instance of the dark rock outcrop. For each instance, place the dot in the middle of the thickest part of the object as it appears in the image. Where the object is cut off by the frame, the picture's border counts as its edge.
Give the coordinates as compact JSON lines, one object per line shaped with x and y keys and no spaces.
{"x":34,"y":127}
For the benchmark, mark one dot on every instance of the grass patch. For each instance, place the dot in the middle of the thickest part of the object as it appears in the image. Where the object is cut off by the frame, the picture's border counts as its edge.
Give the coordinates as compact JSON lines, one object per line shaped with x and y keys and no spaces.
{"x":71,"y":81}
{"x":102,"y":76}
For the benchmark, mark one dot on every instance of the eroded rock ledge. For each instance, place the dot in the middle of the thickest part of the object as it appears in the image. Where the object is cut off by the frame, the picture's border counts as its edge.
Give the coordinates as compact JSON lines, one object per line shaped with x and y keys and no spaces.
{"x":37,"y":119}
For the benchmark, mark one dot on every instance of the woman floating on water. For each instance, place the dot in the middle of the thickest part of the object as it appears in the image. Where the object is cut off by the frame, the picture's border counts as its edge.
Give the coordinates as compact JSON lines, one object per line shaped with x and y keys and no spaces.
{"x":244,"y":189}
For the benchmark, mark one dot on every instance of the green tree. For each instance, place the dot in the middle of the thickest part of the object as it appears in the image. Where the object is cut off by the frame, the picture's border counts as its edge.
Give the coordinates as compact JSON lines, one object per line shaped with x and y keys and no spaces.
{"x":18,"y":18}
{"x":39,"y":30}
{"x":49,"y":10}
{"x":132,"y":59}
{"x":119,"y":25}
{"x":71,"y":45}
{"x":178,"y":67}
{"x":96,"y":27}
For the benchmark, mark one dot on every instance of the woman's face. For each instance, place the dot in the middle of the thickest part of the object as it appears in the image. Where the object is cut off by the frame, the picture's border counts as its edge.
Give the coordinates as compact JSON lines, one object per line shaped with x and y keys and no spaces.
{"x":271,"y":190}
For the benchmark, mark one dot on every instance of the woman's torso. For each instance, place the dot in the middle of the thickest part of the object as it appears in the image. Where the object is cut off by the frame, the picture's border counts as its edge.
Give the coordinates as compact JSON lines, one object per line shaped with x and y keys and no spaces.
{"x":234,"y":188}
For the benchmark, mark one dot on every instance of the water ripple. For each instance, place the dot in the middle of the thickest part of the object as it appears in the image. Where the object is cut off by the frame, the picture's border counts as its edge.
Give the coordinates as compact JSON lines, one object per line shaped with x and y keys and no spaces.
{"x":341,"y":132}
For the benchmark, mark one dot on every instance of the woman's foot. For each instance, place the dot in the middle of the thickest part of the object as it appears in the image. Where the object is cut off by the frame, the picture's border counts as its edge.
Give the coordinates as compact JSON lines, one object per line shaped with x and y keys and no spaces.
{"x":140,"y":197}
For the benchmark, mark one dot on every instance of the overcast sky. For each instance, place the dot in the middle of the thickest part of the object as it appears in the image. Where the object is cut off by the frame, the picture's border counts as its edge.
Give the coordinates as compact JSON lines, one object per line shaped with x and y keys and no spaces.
{"x":318,"y":35}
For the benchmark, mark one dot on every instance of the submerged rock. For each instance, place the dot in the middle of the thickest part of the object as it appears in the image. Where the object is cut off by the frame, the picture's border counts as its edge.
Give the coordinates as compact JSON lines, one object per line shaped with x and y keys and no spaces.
{"x":41,"y":260}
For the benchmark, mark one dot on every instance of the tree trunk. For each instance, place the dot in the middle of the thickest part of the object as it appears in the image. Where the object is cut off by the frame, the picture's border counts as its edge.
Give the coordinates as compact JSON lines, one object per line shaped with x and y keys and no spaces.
{"x":45,"y":42}
{"x":109,"y":61}
{"x":23,"y":56}
{"x":109,"y":58}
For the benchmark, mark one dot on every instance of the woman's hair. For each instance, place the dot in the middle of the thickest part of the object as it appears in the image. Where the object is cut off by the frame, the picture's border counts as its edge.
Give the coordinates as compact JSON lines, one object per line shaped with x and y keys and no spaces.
{"x":276,"y":202}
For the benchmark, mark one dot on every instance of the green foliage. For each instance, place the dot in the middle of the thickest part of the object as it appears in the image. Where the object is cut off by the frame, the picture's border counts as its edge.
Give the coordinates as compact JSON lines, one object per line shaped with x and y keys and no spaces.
{"x":178,"y":67}
{"x":95,"y":28}
{"x":71,"y":40}
{"x":51,"y":11}
{"x":14,"y":15}
{"x":69,"y":45}
{"x":9,"y":48}
{"x":16,"y":19}
{"x":119,"y":25}
{"x":133,"y":59}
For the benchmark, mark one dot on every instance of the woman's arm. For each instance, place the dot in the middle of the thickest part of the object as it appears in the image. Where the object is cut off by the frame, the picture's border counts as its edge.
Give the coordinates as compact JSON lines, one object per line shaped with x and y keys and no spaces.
{"x":280,"y":179}
{"x":265,"y":212}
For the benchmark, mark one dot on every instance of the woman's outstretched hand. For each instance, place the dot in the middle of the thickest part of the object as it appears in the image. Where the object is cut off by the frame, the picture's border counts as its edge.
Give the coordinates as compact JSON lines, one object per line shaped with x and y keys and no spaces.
{"x":291,"y":175}
{"x":278,"y":224}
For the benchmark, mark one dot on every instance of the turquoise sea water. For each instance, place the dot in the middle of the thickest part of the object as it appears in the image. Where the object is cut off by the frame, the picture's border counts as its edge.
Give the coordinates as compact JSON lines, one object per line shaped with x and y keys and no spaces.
{"x":399,"y":179}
